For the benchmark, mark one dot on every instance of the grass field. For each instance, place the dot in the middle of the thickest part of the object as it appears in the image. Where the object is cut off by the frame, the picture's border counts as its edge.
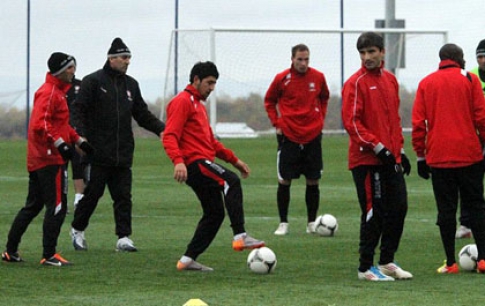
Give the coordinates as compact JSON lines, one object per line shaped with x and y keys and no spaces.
{"x":311,"y":270}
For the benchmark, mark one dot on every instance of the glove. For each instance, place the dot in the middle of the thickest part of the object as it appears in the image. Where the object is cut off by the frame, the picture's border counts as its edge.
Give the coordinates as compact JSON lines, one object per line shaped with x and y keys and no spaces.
{"x":406,"y":165}
{"x":65,"y":150}
{"x":386,"y":157}
{"x":423,"y":169}
{"x":86,"y":147}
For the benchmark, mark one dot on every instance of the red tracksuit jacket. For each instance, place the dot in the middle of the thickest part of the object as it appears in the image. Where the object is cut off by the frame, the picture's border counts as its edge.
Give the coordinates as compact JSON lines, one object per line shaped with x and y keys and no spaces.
{"x":370,"y":114}
{"x":297,"y":104}
{"x":449,"y":118}
{"x":188,"y":135}
{"x":49,"y":122}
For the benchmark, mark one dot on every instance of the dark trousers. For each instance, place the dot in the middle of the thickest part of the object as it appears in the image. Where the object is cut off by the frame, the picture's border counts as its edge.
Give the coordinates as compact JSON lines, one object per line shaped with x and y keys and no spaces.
{"x":119,"y":181}
{"x":216,"y":187}
{"x":47,"y":187}
{"x":383,"y":201}
{"x":466,"y":184}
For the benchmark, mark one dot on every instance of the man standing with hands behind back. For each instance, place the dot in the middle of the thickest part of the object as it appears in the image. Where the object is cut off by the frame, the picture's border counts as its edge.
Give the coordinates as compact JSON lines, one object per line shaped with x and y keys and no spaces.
{"x":448,"y":136}
{"x":296,"y":103}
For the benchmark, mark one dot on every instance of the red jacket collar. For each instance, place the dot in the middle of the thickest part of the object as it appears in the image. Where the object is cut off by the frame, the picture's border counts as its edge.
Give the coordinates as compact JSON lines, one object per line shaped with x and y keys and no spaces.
{"x":448,"y":64}
{"x":49,"y":78}
{"x":373,"y":71}
{"x":193,"y":91}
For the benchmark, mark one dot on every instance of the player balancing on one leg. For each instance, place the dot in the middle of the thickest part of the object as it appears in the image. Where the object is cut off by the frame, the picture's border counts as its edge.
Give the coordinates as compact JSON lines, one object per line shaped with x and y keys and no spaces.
{"x":192,"y":147}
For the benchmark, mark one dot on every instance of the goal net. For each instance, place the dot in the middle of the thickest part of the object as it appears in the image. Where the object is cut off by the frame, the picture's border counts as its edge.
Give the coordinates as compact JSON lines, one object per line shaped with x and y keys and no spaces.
{"x":248,"y":59}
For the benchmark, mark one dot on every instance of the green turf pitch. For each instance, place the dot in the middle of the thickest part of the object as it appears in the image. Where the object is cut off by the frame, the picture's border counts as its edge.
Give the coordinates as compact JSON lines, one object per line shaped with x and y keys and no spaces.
{"x":311,"y":270}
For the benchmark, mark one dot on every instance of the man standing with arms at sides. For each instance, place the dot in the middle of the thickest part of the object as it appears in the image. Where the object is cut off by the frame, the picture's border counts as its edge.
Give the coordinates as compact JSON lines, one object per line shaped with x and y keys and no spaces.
{"x":370,"y":114}
{"x":448,"y":136}
{"x":50,"y":145}
{"x":464,"y":230}
{"x":108,"y":101}
{"x":296,"y":103}
{"x":190,"y":143}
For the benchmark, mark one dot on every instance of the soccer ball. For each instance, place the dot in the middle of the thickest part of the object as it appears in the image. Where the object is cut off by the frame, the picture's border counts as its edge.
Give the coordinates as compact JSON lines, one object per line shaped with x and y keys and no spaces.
{"x":262,"y":260}
{"x":326,"y":225}
{"x":468,"y":257}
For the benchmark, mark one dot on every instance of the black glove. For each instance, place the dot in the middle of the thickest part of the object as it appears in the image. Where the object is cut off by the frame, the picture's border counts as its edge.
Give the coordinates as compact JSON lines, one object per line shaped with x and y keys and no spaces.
{"x":86,"y":147}
{"x":65,"y":150}
{"x":423,"y":169}
{"x":406,"y":165}
{"x":386,"y":157}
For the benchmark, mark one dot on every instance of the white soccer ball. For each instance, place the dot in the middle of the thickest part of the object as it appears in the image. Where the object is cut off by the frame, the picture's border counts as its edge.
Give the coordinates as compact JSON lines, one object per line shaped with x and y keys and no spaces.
{"x":262,"y":260}
{"x":326,"y":225}
{"x":468,"y":257}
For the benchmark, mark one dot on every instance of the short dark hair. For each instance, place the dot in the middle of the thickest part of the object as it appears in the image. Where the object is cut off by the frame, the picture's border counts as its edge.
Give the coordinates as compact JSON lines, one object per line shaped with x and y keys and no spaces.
{"x":299,"y":47}
{"x":452,"y":52}
{"x":203,"y":70}
{"x":370,"y":39}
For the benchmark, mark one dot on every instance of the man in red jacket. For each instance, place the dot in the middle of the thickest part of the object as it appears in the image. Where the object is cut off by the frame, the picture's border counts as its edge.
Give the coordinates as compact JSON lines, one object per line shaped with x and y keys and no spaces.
{"x":50,"y":144}
{"x":370,"y":114}
{"x":448,"y":136}
{"x":296,"y":103}
{"x":192,"y":147}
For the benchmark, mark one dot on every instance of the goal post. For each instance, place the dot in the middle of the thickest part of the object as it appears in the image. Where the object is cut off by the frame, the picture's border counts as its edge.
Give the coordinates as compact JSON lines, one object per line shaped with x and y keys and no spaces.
{"x":248,"y":59}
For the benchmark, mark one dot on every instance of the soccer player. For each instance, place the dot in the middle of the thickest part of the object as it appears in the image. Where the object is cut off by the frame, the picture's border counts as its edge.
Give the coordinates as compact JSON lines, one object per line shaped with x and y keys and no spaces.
{"x":448,"y":135}
{"x":370,"y":114}
{"x":464,"y":230}
{"x":190,"y":143}
{"x":107,"y":102}
{"x":296,"y":103}
{"x":50,"y":144}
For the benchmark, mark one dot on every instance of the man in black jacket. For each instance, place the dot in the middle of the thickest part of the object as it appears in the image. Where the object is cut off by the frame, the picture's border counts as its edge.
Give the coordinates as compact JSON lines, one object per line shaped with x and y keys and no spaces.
{"x":107,"y":102}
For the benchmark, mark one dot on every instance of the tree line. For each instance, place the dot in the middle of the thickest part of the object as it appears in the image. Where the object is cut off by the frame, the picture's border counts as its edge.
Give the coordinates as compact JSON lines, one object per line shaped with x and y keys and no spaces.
{"x":248,"y":109}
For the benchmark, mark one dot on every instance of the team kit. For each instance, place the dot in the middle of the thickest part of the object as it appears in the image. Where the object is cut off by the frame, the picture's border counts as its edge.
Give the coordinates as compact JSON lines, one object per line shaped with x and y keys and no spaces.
{"x":86,"y":125}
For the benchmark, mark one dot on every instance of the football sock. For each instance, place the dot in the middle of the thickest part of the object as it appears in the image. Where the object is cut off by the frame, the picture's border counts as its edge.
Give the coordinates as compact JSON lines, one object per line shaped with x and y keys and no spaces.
{"x":185,"y":259}
{"x":283,"y":200}
{"x":77,"y":198}
{"x":312,"y":198}
{"x":239,"y":236}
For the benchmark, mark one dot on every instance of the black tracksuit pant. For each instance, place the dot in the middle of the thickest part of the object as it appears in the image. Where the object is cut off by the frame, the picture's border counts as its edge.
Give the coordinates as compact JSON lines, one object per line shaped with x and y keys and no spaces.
{"x":383,"y":201}
{"x":47,"y":187}
{"x":119,"y":181}
{"x":217,"y":188}
{"x":466,"y":184}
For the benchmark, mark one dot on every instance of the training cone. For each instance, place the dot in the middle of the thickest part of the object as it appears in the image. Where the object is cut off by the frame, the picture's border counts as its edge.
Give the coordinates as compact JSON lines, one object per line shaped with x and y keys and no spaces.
{"x":195,"y":302}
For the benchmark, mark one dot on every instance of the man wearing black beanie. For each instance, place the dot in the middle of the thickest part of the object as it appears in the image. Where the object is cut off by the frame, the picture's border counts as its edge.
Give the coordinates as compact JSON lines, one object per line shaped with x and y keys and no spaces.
{"x":464,"y":230}
{"x":107,"y":102}
{"x":50,"y":144}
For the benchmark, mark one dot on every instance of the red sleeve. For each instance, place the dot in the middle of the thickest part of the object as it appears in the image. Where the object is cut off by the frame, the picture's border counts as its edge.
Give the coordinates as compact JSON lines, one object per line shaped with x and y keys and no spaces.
{"x":419,"y":131}
{"x":352,"y":115}
{"x":224,"y":153}
{"x":177,"y":112}
{"x":41,"y":120}
{"x":324,"y":96}
{"x":270,"y":101}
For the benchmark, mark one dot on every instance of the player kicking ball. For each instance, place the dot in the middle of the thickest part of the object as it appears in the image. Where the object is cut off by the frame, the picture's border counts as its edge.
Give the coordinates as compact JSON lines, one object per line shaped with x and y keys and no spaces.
{"x":190,"y":143}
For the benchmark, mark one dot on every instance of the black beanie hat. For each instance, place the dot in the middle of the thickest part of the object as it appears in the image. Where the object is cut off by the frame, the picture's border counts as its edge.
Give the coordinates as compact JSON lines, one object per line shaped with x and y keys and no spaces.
{"x":118,"y":48}
{"x":481,"y":48}
{"x":58,"y":62}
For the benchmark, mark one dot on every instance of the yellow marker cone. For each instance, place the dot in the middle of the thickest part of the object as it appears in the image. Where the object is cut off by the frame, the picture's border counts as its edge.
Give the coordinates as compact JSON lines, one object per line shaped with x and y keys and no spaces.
{"x":195,"y":302}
